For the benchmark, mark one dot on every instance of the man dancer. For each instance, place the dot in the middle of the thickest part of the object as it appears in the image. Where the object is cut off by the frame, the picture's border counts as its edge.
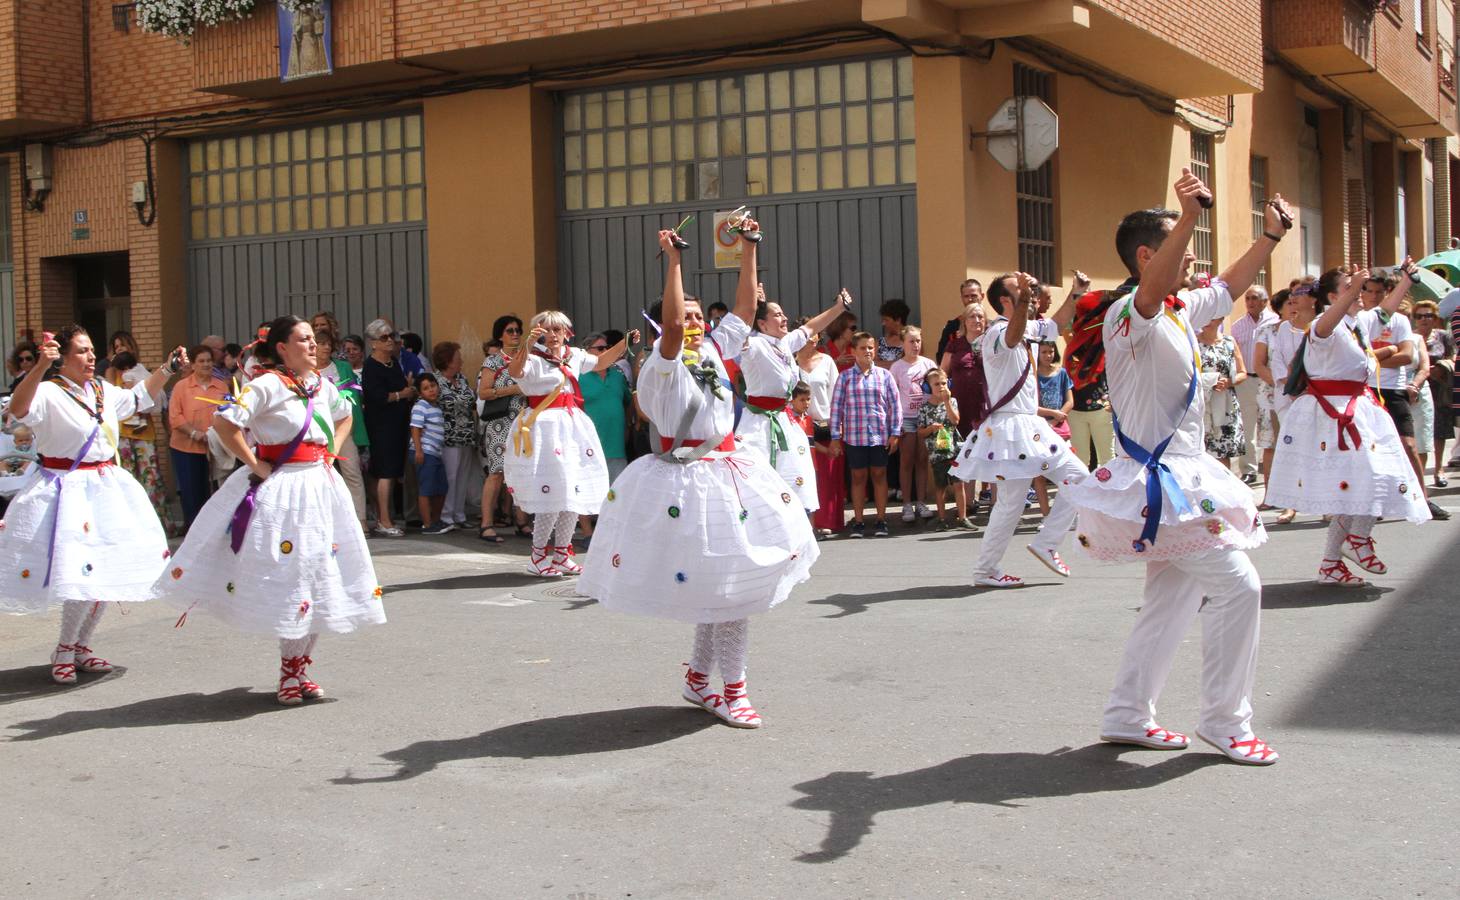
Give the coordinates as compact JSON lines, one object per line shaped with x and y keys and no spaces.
{"x":1013,"y":444}
{"x":1163,"y":480}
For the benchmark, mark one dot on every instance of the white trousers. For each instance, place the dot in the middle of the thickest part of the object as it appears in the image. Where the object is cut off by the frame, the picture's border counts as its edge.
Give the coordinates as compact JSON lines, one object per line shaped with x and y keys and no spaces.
{"x":1004,"y":518}
{"x":458,"y":462}
{"x":1247,"y":402}
{"x":1174,"y":595}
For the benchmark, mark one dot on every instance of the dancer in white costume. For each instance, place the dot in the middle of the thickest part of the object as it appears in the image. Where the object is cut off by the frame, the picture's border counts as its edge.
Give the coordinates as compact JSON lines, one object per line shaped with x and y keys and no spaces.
{"x":705,"y":531}
{"x":1013,"y":444}
{"x":85,"y":534}
{"x":1340,"y":453}
{"x":278,"y":549}
{"x":768,"y":362}
{"x":555,"y":467}
{"x":1162,"y":481}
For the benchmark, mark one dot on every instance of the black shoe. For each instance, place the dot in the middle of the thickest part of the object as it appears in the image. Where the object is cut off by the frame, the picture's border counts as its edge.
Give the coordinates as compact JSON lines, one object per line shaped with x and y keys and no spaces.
{"x":879,"y":528}
{"x":1439,"y":512}
{"x":857,"y":529}
{"x":1249,"y":478}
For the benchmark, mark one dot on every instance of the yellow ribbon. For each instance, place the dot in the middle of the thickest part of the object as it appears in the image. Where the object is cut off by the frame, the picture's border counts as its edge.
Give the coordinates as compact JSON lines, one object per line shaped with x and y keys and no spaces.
{"x":522,"y":435}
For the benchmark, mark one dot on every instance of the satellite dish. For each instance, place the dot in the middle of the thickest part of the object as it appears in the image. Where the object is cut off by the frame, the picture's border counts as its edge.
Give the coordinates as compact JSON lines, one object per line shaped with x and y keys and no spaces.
{"x":1022,"y":135}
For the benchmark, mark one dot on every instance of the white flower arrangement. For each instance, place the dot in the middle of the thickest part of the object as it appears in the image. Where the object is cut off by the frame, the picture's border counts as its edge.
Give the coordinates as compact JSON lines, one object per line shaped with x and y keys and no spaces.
{"x":180,"y":18}
{"x":295,"y":6}
{"x":216,"y":12}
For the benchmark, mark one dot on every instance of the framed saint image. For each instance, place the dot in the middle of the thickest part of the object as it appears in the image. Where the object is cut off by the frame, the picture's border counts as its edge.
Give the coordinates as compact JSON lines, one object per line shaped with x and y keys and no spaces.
{"x":306,"y":31}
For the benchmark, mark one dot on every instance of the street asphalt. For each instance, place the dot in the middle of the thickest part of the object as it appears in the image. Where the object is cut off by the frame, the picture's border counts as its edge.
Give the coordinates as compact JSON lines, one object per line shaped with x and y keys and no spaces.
{"x":501,"y":737}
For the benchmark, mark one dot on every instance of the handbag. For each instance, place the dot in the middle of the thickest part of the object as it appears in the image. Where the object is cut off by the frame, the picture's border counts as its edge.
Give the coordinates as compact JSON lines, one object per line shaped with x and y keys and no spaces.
{"x":1297,"y":382}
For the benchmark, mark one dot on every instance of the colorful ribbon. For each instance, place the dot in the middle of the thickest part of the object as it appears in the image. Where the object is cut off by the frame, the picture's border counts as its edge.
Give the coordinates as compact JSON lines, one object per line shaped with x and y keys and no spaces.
{"x":60,"y":482}
{"x":243,"y":513}
{"x":1159,"y":479}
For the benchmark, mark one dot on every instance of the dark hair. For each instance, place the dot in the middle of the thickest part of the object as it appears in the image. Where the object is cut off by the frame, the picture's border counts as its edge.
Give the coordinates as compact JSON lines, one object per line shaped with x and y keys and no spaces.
{"x":1277,"y":300}
{"x":1387,"y":282}
{"x":67,"y":334}
{"x":324,"y":334}
{"x":126,"y":338}
{"x":656,"y":309}
{"x":233,"y":350}
{"x":762,"y":309}
{"x":967,"y":281}
{"x":499,"y":327}
{"x":999,"y":290}
{"x":123,"y":361}
{"x":717,"y":305}
{"x":860,"y":336}
{"x":412,"y":342}
{"x":1053,"y":346}
{"x":893,"y":308}
{"x":201,"y":348}
{"x":279,"y":330}
{"x":1142,"y":228}
{"x":355,"y":339}
{"x":441,"y":354}
{"x":802,"y":389}
{"x":489,"y":346}
{"x":24,"y":347}
{"x":1328,"y":284}
{"x":425,"y":377}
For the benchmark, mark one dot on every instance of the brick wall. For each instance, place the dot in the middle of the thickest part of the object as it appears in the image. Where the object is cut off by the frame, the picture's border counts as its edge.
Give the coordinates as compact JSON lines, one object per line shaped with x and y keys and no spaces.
{"x":51,"y":73}
{"x":1227,"y":32}
{"x":240,"y":52}
{"x":136,"y":74}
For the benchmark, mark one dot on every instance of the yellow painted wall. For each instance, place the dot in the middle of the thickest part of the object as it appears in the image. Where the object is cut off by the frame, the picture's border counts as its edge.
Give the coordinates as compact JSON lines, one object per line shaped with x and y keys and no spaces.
{"x":492,"y":239}
{"x":1273,"y":132}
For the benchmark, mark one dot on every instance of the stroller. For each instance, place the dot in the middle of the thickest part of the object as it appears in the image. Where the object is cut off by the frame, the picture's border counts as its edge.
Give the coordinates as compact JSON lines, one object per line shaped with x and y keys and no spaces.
{"x":19,"y":466}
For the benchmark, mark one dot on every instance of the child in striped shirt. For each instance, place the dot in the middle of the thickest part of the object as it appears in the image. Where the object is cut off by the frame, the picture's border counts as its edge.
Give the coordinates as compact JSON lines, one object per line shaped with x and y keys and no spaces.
{"x":428,"y":437}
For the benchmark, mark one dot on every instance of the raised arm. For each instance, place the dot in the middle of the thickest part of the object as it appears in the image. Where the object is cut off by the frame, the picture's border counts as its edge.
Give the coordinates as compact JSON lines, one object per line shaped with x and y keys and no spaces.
{"x":1019,"y":310}
{"x":1323,"y":325}
{"x":158,"y":379}
{"x":615,"y":353}
{"x":1240,"y":275}
{"x":823,"y":320}
{"x":671,"y":338}
{"x":1163,"y":272}
{"x":745,"y":288}
{"x":24,"y":393}
{"x":1064,"y":317}
{"x":1394,"y":298}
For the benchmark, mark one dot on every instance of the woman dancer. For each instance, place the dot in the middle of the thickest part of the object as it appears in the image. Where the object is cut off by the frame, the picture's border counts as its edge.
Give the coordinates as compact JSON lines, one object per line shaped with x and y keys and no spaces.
{"x":702,"y":531}
{"x":85,"y":534}
{"x":278,"y":549}
{"x":555,"y":467}
{"x":1340,"y":453}
{"x":768,"y":362}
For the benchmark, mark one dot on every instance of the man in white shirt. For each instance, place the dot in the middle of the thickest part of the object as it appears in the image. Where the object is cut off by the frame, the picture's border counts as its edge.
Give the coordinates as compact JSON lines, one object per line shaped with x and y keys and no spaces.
{"x":1164,"y":483}
{"x":1394,"y":330}
{"x":1243,"y":331}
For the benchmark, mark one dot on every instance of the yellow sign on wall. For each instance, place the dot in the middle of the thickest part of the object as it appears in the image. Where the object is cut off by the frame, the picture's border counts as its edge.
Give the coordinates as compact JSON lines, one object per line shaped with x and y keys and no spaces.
{"x":727,"y":246}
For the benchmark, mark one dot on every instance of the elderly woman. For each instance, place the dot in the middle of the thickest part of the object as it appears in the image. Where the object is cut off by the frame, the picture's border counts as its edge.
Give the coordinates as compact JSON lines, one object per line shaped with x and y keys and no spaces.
{"x":84,"y":535}
{"x":277,"y":550}
{"x":388,"y":399}
{"x":190,"y":410}
{"x":1222,"y":369}
{"x":555,"y":467}
{"x":137,"y":447}
{"x":458,"y":404}
{"x":347,"y":451}
{"x":1440,"y":345}
{"x":22,"y":360}
{"x":502,"y":401}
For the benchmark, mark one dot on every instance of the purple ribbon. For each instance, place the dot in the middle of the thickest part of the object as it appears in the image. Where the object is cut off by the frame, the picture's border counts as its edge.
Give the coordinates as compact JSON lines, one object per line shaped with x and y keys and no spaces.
{"x":60,"y":482}
{"x":244,"y":511}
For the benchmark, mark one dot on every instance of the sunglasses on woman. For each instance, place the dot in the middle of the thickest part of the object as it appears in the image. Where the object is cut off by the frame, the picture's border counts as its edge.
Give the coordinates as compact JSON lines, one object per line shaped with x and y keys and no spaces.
{"x":598,"y":348}
{"x":511,"y":330}
{"x":26,"y":359}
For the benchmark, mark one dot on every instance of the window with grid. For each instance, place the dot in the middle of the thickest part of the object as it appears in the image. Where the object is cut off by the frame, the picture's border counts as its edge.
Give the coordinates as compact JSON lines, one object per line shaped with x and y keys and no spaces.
{"x":1258,"y":168}
{"x":788,"y":131}
{"x":314,"y":177}
{"x":1202,"y":244}
{"x":1034,"y":191}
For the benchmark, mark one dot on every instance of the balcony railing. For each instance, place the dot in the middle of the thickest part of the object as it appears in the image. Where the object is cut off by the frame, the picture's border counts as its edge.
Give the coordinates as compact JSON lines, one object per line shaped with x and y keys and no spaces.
{"x":1446,"y":66}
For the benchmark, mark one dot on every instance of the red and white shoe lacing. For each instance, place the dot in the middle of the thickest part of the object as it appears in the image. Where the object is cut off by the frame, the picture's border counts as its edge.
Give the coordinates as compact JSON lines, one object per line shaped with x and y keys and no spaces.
{"x":87,"y":661}
{"x":308,"y":688}
{"x":541,"y":564}
{"x":1361,"y":551}
{"x":563,"y":561}
{"x":697,"y":691}
{"x":63,"y":672}
{"x":737,"y":710}
{"x":1334,"y":572}
{"x":291,"y":669}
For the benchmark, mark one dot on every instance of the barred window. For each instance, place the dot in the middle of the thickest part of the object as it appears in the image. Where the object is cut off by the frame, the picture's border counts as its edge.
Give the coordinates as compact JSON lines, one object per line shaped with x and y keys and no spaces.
{"x":1203,"y":246}
{"x":1034,"y":191}
{"x":785,"y":131}
{"x":336,"y":175}
{"x":1258,"y":167}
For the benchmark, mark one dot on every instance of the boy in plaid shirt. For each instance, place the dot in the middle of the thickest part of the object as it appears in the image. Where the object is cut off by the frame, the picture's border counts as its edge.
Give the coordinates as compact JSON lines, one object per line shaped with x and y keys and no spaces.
{"x":866,"y":418}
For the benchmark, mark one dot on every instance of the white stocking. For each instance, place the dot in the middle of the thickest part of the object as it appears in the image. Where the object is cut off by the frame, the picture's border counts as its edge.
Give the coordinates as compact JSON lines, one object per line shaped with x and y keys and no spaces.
{"x":702,"y":656}
{"x":292,"y":647}
{"x":1337,"y":530}
{"x":1360,"y":526}
{"x":542,"y":529}
{"x":88,"y":624}
{"x":73,"y":616}
{"x":732,"y":647}
{"x":563,"y":530}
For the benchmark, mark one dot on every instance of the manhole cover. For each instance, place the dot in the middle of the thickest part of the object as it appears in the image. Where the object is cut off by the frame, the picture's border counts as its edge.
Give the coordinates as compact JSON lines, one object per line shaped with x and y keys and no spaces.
{"x":565,"y":592}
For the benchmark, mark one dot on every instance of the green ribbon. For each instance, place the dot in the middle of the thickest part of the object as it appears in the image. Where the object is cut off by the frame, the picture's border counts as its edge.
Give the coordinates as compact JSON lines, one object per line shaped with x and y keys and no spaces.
{"x":778,"y":434}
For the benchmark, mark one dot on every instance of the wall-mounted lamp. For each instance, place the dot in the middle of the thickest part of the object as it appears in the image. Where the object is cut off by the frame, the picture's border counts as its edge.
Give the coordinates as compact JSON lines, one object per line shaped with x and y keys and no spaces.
{"x":37,"y":184}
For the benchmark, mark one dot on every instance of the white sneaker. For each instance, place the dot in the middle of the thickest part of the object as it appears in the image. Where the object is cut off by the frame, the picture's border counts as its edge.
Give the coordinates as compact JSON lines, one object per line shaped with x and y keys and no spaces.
{"x":998,"y":580}
{"x":908,"y":512}
{"x":1252,"y":751}
{"x":1051,"y":560}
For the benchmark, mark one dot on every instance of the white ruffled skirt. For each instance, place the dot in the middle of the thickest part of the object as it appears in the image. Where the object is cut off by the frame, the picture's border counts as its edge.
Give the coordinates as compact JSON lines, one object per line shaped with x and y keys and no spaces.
{"x":1312,"y":475}
{"x":109,"y":544}
{"x":564,"y":470}
{"x":1112,"y":511}
{"x":794,"y":464}
{"x":1009,"y":446}
{"x":303,"y":567}
{"x":709,"y":541}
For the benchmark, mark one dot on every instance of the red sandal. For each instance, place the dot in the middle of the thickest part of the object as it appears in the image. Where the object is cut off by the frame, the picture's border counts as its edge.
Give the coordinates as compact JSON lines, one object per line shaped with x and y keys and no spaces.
{"x":1361,"y":551}
{"x":736,"y":710}
{"x":291,"y":668}
{"x":563,"y":561}
{"x":1250,"y":752}
{"x":541,"y":564}
{"x":87,"y":661}
{"x":63,"y":672}
{"x":1334,"y":572}
{"x":697,"y":691}
{"x":307,"y":688}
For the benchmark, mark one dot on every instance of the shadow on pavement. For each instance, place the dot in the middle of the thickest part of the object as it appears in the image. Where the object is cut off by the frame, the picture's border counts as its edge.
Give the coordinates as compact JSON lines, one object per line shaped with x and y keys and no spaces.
{"x":1300,"y":594}
{"x":998,"y":779}
{"x":232,"y":705}
{"x":604,"y":731}
{"x":35,"y":681}
{"x":484,"y":581}
{"x":851,"y":604}
{"x":1400,"y":677}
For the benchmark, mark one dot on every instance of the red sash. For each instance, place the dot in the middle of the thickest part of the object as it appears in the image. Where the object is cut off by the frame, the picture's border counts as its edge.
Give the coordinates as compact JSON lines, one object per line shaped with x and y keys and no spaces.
{"x":769,"y":404}
{"x":56,"y":462}
{"x":1353,"y":390}
{"x":726,"y":446}
{"x":304,"y":453}
{"x":563,"y":400}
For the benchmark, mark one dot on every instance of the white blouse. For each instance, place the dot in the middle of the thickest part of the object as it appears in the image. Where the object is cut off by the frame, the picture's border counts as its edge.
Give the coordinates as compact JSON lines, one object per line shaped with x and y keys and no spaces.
{"x":273,"y":413}
{"x":666,"y":390}
{"x":61,"y":424}
{"x":821,"y":379}
{"x":539,"y":376}
{"x":769,"y":364}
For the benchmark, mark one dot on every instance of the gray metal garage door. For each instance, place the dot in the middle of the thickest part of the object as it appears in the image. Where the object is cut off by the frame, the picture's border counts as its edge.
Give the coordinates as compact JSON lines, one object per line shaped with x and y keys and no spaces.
{"x":823,"y":154}
{"x":326,"y":216}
